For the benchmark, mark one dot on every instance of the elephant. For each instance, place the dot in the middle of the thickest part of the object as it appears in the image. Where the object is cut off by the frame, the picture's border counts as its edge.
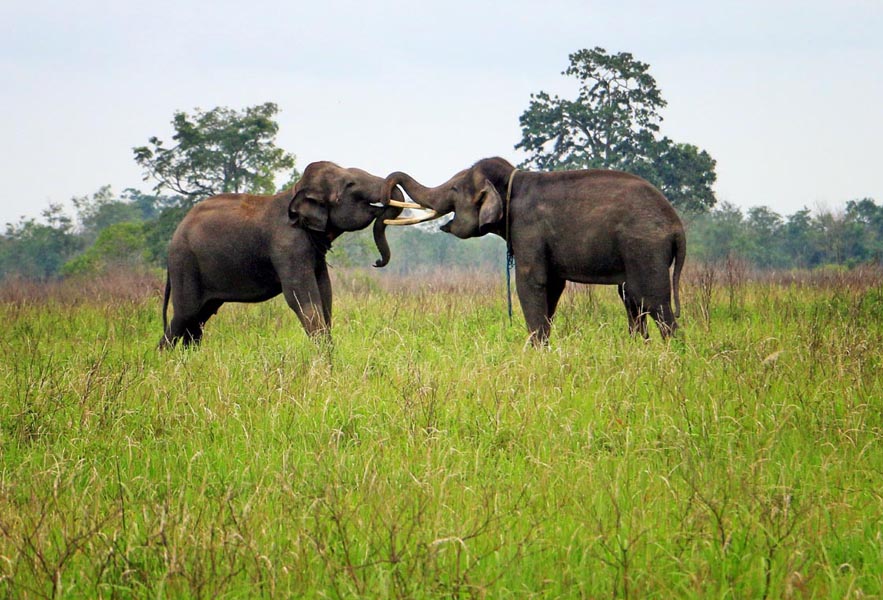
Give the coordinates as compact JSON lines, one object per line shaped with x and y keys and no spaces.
{"x":250,"y":248}
{"x":588,"y":226}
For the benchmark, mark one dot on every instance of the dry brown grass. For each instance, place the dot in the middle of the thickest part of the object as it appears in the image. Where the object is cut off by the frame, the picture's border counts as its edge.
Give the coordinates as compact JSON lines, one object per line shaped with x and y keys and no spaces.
{"x":422,"y":281}
{"x":115,"y":286}
{"x":129,"y":285}
{"x":857,"y":278}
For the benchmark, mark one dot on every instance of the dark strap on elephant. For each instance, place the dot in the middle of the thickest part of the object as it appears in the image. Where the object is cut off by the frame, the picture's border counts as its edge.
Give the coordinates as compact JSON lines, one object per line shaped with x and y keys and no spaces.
{"x":510,"y":258}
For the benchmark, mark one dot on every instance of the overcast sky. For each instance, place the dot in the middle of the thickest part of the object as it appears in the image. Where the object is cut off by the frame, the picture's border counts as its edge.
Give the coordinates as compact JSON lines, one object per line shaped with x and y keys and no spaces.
{"x":786,"y":96}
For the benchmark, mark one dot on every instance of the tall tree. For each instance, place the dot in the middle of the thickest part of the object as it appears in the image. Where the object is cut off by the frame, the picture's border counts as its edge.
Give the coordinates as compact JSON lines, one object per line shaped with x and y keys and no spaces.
{"x":614,"y":123}
{"x":218,"y":151}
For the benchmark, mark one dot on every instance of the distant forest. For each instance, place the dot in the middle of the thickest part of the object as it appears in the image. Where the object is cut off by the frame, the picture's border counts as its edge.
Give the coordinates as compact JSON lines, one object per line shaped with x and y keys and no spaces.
{"x":132,"y":230}
{"x":614,"y":123}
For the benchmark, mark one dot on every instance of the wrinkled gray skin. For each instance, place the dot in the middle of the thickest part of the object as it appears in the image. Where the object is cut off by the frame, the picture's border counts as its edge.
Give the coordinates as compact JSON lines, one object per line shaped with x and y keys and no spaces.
{"x":248,"y":248}
{"x":593,"y":226}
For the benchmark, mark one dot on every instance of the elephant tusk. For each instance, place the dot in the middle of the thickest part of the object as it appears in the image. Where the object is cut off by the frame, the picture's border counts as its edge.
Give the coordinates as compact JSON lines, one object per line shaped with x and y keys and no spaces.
{"x":413,"y":205}
{"x":431,"y":214}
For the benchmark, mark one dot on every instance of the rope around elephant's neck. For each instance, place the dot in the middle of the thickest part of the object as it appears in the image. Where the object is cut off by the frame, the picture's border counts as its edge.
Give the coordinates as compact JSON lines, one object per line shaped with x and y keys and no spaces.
{"x":510,"y":258}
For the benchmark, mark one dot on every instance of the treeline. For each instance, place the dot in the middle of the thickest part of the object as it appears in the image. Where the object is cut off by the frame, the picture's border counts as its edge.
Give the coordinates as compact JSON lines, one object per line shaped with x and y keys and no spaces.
{"x":612,"y":123}
{"x":805,"y":239}
{"x":132,"y":231}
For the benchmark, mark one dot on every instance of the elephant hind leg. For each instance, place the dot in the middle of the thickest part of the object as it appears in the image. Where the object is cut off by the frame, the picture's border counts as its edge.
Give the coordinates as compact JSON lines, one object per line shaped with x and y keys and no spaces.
{"x":196,"y":327}
{"x":188,"y":325}
{"x":635,"y":311}
{"x":554,"y":289}
{"x":187,"y":330}
{"x":665,"y":319}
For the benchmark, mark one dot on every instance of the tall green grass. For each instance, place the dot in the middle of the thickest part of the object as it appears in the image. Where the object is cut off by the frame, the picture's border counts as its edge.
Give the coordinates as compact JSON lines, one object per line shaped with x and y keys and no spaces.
{"x":432,"y":452}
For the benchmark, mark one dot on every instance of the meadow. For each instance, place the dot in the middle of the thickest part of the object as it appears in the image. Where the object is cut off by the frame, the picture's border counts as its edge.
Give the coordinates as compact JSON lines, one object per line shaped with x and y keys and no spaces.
{"x":432,"y":453}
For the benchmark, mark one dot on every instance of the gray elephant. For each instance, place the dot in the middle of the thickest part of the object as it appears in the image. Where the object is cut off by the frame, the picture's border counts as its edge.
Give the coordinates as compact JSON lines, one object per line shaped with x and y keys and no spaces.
{"x":248,"y":248}
{"x":591,"y":226}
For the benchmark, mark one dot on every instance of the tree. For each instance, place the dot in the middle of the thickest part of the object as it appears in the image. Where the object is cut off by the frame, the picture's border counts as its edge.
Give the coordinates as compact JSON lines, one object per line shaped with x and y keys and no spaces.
{"x":150,"y":206}
{"x":717,"y":234}
{"x":38,"y":250}
{"x":866,"y":220}
{"x":764,"y":228}
{"x":218,"y":151}
{"x":101,"y":211}
{"x":683,"y":172}
{"x":798,"y":239}
{"x":121,"y":245}
{"x":613,"y":124}
{"x":158,"y":232}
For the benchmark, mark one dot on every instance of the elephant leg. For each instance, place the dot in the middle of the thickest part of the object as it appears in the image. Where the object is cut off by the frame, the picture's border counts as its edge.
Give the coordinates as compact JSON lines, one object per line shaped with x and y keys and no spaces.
{"x":187,"y":325}
{"x":533,"y":295}
{"x":324,"y":282}
{"x":187,"y":301}
{"x":167,"y":342}
{"x":173,"y":333}
{"x":665,"y":319}
{"x":185,"y":328}
{"x":186,"y":305}
{"x":302,"y":294}
{"x":554,"y":288}
{"x":196,"y":327}
{"x":637,"y":316}
{"x":649,"y":284}
{"x":657,"y":299}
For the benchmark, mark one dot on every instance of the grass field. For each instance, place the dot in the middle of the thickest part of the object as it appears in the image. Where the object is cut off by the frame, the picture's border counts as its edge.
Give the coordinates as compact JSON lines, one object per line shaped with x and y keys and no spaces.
{"x":433,"y":454}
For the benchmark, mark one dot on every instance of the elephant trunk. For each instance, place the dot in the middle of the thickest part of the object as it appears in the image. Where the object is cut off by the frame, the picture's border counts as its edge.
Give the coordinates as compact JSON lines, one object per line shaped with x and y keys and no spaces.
{"x":390,"y":212}
{"x":433,"y":198}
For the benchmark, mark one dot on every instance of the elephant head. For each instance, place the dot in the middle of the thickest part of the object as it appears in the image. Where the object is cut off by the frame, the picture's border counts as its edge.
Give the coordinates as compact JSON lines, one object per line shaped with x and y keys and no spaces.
{"x":475,"y":196}
{"x":331,"y":199}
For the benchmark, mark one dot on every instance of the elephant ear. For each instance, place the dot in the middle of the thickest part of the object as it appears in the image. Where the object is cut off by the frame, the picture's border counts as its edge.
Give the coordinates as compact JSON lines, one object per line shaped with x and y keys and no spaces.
{"x":306,"y":212}
{"x":490,"y":205}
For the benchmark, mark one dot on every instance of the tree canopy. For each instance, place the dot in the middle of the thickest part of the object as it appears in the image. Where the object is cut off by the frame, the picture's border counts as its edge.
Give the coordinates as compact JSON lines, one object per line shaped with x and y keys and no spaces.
{"x":218,"y":151}
{"x":613,"y":124}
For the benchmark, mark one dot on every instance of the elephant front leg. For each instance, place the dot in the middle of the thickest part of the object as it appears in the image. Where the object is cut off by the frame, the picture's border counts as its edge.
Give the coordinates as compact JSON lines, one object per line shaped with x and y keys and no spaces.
{"x":324,"y":282}
{"x":534,"y":296}
{"x":305,"y":299}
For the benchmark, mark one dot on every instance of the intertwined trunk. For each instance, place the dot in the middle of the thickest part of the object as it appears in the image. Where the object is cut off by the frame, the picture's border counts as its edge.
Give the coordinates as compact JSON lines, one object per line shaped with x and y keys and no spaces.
{"x":434,"y":198}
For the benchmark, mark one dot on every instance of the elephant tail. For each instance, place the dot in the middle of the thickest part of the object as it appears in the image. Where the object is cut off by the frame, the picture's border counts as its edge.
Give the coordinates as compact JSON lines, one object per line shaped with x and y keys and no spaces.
{"x":165,"y":303}
{"x":679,"y":245}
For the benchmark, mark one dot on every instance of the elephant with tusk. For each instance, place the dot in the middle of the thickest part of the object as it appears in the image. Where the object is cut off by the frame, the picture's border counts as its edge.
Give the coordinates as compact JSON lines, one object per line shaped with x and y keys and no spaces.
{"x":588,"y":226}
{"x":248,"y":248}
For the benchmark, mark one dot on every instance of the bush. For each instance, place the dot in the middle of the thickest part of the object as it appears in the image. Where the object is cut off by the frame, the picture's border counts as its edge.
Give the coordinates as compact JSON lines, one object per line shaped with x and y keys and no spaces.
{"x":119,"y":245}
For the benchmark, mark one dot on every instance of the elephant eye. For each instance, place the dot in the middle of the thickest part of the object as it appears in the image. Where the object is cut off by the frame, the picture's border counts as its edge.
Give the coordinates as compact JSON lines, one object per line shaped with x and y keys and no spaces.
{"x":348,"y":195}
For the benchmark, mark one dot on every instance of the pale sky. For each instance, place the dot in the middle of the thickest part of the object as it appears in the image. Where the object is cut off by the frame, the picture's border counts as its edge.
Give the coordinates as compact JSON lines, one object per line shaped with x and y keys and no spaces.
{"x":786,"y":96}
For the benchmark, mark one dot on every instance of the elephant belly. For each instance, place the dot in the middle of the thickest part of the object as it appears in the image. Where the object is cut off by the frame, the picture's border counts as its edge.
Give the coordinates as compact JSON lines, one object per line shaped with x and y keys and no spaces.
{"x":241,"y":282}
{"x":595,"y":262}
